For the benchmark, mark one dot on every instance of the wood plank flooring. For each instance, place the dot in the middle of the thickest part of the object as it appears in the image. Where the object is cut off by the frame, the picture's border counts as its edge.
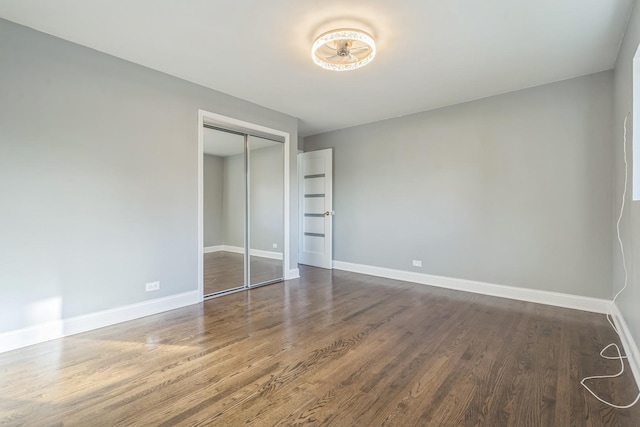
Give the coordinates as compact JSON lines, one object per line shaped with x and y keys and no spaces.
{"x":225,"y":270}
{"x":222,"y":271}
{"x":332,"y":348}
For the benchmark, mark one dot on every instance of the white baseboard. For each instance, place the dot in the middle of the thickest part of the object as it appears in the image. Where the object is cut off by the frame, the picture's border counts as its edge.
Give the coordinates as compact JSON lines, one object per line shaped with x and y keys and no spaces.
{"x":576,"y":302}
{"x":64,"y":327}
{"x":294,"y":273}
{"x":239,"y":250}
{"x":628,"y":343}
{"x":31,"y":335}
{"x":267,"y":254}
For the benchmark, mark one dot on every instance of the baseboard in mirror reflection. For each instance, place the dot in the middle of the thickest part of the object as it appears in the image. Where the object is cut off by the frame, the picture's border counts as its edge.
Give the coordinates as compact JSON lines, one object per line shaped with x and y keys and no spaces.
{"x":239,"y":250}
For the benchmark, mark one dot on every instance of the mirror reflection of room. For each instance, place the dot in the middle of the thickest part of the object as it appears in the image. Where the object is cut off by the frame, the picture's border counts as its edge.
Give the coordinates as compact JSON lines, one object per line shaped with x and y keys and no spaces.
{"x":224,"y":206}
{"x":266,"y":205}
{"x":225,"y":167}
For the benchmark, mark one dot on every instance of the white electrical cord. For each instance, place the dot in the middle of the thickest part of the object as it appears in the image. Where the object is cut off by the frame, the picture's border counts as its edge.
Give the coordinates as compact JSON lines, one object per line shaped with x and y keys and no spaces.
{"x":619,"y":357}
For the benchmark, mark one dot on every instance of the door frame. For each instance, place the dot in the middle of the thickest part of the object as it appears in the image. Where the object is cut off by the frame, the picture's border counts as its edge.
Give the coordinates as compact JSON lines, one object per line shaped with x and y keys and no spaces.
{"x":218,"y":119}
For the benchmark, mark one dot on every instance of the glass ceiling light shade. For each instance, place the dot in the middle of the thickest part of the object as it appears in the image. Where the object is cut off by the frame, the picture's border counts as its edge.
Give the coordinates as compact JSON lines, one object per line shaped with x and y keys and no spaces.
{"x":343,"y":50}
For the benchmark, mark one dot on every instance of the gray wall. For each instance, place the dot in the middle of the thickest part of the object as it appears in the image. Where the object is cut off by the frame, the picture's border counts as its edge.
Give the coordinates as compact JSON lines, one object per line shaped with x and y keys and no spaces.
{"x":267,"y":199}
{"x":213,"y":180}
{"x":630,"y":225}
{"x":514,"y":189}
{"x":98,"y":178}
{"x":267,"y":214}
{"x":233,"y":201}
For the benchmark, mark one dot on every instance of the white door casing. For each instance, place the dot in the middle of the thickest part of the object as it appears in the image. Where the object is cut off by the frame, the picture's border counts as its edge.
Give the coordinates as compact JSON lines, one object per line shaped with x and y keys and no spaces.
{"x":316,"y":207}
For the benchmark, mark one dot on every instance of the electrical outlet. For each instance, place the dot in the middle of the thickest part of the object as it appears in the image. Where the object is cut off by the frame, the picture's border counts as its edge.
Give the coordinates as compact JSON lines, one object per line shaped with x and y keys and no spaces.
{"x":417,"y":263}
{"x":152,"y":286}
{"x":275,"y":246}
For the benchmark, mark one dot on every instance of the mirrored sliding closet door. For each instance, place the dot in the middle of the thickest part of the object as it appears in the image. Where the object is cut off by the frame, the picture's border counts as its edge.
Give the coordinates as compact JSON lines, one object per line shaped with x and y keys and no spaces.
{"x":266,"y":211}
{"x":243,"y":199}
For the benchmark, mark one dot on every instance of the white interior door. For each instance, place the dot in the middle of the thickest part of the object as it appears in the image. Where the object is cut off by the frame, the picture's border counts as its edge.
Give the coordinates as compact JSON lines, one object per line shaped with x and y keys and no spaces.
{"x":316,"y":187}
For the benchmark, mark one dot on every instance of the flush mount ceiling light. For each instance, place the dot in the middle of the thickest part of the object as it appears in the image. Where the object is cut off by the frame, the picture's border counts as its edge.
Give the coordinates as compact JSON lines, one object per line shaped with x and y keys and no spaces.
{"x":343,"y":50}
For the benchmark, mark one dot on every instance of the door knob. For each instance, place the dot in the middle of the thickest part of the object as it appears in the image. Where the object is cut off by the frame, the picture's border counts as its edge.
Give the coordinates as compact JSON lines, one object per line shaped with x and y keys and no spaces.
{"x":327,"y":213}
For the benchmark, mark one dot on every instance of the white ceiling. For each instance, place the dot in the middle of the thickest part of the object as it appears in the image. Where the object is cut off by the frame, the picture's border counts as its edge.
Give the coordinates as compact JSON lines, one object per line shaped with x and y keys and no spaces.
{"x":431,"y":53}
{"x":221,"y":144}
{"x":225,"y":144}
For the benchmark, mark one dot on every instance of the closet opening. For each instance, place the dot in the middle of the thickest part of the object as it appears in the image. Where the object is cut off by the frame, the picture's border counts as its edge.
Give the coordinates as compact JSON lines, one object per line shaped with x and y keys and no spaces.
{"x":243,"y":205}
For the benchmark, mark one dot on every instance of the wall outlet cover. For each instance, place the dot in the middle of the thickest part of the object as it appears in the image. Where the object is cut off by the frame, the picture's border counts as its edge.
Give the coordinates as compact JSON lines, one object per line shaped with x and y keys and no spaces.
{"x":152,"y":286}
{"x":417,"y":263}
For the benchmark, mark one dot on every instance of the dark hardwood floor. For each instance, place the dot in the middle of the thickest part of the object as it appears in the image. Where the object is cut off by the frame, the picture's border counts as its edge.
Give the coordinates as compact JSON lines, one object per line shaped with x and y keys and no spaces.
{"x":222,"y":271}
{"x":225,"y":270}
{"x":333,"y":348}
{"x":265,"y":269}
